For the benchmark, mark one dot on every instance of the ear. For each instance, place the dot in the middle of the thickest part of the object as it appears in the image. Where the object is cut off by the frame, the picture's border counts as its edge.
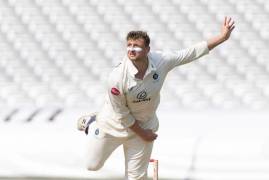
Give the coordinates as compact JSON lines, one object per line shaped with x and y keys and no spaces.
{"x":148,"y":49}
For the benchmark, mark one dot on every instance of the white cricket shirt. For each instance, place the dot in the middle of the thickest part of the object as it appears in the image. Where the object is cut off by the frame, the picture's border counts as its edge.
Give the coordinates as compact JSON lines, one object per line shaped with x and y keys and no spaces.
{"x":129,"y":99}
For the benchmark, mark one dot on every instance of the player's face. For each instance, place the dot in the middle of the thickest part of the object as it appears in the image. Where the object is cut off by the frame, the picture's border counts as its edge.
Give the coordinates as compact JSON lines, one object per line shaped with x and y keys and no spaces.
{"x":136,"y":49}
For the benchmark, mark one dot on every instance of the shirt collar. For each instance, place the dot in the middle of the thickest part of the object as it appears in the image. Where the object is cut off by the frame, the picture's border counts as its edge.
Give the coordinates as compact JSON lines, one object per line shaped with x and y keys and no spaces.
{"x":133,"y":70}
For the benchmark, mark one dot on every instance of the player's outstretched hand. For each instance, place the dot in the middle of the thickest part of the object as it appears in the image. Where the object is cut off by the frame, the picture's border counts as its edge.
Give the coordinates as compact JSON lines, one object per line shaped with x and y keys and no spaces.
{"x":227,"y":28}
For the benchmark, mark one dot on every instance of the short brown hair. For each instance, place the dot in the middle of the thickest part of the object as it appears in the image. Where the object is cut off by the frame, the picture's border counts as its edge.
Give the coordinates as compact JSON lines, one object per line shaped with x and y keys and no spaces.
{"x":137,"y":35}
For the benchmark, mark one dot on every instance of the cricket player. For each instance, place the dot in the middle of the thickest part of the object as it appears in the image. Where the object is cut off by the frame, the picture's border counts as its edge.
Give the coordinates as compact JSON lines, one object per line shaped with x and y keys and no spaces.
{"x":128,"y":116}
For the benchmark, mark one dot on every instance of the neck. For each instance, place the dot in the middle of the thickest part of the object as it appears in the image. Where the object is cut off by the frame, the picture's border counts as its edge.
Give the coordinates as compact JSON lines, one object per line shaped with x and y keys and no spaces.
{"x":142,"y":66}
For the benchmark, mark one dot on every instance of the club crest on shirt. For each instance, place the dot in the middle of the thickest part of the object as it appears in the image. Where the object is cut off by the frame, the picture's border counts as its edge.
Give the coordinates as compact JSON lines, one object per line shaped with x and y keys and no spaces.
{"x":155,"y":76}
{"x":115,"y":91}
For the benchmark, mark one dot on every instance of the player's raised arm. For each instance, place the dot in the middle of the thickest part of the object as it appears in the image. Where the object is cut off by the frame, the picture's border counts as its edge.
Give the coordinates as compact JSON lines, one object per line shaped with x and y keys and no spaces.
{"x":226,"y":30}
{"x":184,"y":56}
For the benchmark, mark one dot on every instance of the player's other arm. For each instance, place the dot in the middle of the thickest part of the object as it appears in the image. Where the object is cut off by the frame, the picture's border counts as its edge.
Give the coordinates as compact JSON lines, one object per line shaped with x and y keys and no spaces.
{"x":117,"y":100}
{"x":145,"y":134}
{"x":226,"y":30}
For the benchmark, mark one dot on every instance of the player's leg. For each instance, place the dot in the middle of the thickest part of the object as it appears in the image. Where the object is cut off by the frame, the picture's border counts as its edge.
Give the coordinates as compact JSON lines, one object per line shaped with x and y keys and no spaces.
{"x":100,"y":147}
{"x":137,"y":155}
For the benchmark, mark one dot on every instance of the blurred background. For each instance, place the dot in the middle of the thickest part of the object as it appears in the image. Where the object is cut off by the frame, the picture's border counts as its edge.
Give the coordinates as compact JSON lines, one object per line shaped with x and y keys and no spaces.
{"x":55,"y":56}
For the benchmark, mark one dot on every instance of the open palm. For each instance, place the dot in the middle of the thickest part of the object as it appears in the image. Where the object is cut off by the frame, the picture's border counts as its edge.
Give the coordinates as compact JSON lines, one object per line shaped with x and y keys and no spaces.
{"x":227,"y":27}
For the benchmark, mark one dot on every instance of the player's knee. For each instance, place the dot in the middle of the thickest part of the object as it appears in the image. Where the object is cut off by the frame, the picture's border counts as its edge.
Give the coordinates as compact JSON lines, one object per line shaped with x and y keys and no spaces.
{"x":94,"y":166}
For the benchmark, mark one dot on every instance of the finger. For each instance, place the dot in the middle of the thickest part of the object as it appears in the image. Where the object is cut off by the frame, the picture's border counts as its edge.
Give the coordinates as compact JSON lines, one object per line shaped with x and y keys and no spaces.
{"x":229,"y":20}
{"x":225,"y":19}
{"x":232,"y":28}
{"x":231,"y":24}
{"x":155,"y":136}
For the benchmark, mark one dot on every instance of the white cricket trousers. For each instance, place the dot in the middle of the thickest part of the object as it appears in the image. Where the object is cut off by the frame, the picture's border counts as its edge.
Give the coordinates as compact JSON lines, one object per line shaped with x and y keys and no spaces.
{"x":137,"y":152}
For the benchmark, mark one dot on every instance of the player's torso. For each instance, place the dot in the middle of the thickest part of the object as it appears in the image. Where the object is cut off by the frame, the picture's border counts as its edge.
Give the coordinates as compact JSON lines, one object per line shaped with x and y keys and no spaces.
{"x":143,"y":96}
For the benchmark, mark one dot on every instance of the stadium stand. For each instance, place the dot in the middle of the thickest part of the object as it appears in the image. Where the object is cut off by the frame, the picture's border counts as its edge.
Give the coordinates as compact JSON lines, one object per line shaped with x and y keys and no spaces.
{"x":55,"y":56}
